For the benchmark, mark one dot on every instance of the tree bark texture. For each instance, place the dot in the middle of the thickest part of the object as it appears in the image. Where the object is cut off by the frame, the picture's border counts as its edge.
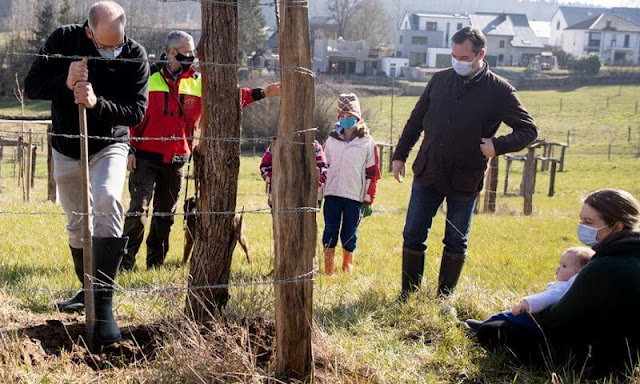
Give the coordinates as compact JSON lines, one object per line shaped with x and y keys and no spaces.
{"x":295,"y":184}
{"x":217,"y":162}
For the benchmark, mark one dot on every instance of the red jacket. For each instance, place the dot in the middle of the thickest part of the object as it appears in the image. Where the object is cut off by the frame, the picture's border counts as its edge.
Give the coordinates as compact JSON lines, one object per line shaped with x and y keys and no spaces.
{"x":174,"y":111}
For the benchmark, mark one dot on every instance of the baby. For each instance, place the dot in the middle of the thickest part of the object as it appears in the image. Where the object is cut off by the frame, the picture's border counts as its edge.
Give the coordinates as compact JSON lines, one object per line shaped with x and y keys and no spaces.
{"x":571,"y":262}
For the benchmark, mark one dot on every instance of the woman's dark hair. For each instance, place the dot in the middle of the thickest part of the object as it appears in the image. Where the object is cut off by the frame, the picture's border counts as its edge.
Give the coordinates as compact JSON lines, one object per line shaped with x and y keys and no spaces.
{"x":616,"y":205}
{"x":474,"y":35}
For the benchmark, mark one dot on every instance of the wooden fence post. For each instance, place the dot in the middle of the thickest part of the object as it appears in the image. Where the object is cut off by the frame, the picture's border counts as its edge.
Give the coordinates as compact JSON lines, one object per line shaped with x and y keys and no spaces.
{"x":552,"y":178}
{"x":294,"y":186}
{"x":34,"y":162}
{"x":491,"y":186}
{"x":563,"y":151}
{"x":530,"y":168}
{"x":507,"y":172}
{"x":29,"y":170}
{"x":20,"y":157}
{"x":381,"y":151}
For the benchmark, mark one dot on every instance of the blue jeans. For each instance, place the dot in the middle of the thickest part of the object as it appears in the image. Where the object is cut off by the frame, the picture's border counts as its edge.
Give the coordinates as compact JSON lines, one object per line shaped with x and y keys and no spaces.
{"x":337,"y":209}
{"x":423,"y":206}
{"x":524,"y":320}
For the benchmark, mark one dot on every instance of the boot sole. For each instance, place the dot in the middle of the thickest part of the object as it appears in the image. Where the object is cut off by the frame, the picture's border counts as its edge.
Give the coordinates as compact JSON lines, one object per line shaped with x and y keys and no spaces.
{"x":107,"y":342}
{"x":71,"y":309}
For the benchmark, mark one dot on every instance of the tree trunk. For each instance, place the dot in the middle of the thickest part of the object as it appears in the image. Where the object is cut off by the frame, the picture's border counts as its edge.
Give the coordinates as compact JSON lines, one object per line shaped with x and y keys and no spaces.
{"x":217,"y":163}
{"x":295,"y":184}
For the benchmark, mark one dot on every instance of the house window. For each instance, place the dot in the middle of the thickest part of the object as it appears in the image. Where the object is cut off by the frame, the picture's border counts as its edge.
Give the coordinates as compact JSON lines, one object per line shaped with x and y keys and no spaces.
{"x":417,"y":59}
{"x":432,"y":26}
{"x":626,"y":40}
{"x":401,"y":38}
{"x":459,"y":27}
{"x":398,"y":53}
{"x":614,"y":40}
{"x":594,"y":39}
{"x":419,"y":40}
{"x":558,"y":26}
{"x":500,"y":58}
{"x":501,"y":43}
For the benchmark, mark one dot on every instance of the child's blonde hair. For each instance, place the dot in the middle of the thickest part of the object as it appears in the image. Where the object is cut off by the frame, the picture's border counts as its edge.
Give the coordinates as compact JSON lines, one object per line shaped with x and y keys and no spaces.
{"x":583,"y":254}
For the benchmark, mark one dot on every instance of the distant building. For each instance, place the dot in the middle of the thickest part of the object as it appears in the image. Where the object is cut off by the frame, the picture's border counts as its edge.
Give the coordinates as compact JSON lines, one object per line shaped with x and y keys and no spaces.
{"x":542,"y":29}
{"x":420,"y":32}
{"x":615,"y":39}
{"x":341,"y":57}
{"x":511,"y":41}
{"x":386,"y":63}
{"x":611,"y":33}
{"x":323,"y":27}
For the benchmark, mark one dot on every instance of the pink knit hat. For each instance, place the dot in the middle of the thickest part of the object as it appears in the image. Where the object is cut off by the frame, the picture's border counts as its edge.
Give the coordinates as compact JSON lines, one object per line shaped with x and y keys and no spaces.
{"x":348,"y":102}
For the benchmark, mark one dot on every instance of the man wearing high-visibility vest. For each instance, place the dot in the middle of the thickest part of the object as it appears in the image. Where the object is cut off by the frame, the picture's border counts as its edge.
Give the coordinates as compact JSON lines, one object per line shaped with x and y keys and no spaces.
{"x":156,"y":165}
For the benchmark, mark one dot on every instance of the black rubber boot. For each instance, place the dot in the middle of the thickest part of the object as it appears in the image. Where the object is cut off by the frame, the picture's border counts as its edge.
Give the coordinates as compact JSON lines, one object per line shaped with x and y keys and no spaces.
{"x":76,"y":303}
{"x":412,"y":271}
{"x":450,"y":269}
{"x":107,"y":254}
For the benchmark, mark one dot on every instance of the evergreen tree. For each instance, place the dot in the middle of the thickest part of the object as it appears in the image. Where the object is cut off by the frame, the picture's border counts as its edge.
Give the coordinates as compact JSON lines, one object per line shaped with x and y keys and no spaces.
{"x":46,"y":24}
{"x":65,"y":13}
{"x":251,"y":29}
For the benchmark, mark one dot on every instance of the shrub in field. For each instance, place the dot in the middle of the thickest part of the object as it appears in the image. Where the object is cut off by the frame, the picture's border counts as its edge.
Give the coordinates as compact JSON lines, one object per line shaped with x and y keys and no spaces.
{"x":590,"y":64}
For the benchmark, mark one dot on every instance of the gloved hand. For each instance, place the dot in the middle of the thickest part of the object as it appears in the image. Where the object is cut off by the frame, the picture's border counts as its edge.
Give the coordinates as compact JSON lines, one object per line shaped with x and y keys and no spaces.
{"x":366,"y":210}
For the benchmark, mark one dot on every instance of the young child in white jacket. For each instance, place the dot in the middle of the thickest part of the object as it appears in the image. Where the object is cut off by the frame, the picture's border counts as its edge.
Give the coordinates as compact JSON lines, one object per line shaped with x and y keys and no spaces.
{"x":571,"y":262}
{"x":350,"y":187}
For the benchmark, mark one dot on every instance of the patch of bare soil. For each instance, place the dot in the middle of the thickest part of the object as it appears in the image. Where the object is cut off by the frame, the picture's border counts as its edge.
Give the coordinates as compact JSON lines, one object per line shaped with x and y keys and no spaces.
{"x":52,"y":337}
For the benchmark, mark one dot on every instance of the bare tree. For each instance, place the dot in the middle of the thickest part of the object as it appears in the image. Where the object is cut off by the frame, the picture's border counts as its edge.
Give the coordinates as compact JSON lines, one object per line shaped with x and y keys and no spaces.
{"x":342,"y":11}
{"x":370,"y":22}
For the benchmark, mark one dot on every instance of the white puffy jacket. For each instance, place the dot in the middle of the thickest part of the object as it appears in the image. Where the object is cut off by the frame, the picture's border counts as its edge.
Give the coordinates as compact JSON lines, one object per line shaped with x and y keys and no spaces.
{"x":348,"y":166}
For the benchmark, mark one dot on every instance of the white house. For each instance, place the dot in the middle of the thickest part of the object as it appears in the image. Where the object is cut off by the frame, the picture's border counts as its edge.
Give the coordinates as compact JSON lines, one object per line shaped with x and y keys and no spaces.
{"x":542,"y":29}
{"x":510,"y":39}
{"x":615,"y":39}
{"x":565,"y":17}
{"x":398,"y":62}
{"x":420,"y":32}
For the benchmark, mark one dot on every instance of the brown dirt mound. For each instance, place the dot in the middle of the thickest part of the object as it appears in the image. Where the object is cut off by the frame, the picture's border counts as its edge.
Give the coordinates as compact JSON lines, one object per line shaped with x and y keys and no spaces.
{"x":53,"y":337}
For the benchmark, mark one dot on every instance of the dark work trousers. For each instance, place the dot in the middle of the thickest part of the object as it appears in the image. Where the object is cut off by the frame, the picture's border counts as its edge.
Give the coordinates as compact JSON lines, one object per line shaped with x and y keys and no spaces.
{"x":161,"y":182}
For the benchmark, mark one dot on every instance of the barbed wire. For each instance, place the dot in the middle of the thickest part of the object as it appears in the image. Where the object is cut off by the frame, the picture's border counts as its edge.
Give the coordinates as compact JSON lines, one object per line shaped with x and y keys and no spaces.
{"x":302,"y":70}
{"x":104,"y":286}
{"x":126,"y":139}
{"x":165,"y":214}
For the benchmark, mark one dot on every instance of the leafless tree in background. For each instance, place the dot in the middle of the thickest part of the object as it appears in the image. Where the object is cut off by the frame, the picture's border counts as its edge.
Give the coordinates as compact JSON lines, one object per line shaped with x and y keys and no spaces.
{"x":342,"y":11}
{"x":371,"y":22}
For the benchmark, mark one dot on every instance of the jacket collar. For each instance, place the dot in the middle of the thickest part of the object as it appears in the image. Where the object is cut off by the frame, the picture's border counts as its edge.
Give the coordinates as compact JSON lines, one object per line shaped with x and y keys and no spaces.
{"x":478,"y":76}
{"x":626,"y":241}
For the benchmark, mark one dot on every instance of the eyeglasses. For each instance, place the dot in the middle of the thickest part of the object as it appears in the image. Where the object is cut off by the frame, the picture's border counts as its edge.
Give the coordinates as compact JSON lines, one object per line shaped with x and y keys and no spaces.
{"x":111,"y":48}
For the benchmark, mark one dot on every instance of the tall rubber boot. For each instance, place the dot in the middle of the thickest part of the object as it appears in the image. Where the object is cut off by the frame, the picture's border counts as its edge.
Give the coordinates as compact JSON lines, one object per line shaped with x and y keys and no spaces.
{"x":329,"y":254}
{"x":450,"y":269}
{"x":107,"y":254}
{"x":347,"y":261}
{"x":412,"y":271}
{"x":76,"y":303}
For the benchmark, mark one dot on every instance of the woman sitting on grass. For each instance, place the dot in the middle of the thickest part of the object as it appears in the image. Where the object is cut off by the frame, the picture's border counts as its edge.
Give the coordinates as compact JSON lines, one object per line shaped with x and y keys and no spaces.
{"x":595,"y":323}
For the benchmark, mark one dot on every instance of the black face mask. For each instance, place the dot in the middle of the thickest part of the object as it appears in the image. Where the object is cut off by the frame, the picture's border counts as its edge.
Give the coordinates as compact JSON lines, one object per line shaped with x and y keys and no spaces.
{"x":185,"y":61}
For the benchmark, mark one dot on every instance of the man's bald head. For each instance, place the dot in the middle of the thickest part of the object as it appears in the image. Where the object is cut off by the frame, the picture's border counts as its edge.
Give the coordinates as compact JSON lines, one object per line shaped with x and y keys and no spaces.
{"x":107,"y":14}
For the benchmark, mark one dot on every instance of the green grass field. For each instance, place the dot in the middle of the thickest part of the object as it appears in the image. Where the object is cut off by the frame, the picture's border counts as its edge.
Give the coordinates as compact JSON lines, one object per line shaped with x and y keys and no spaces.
{"x":360,"y":326}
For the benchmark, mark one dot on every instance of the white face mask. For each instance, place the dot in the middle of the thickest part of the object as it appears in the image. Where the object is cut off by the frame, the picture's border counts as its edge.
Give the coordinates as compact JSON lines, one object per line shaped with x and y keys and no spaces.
{"x":107,"y":54}
{"x":463,"y":68}
{"x":587,"y":235}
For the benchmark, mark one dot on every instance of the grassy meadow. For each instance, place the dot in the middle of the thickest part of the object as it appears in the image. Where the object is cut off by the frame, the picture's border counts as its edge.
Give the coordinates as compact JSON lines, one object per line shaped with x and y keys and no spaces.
{"x":359,"y":328}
